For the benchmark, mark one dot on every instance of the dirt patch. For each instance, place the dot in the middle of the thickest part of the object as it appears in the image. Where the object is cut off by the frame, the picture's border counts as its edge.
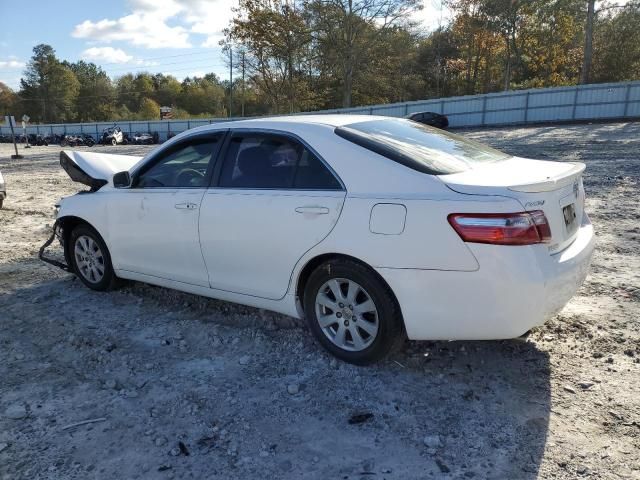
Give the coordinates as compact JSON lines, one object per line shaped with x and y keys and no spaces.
{"x":185,"y":387}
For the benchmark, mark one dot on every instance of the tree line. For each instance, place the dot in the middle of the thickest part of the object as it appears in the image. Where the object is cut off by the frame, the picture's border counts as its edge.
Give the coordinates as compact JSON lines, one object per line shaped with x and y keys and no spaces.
{"x":304,"y":55}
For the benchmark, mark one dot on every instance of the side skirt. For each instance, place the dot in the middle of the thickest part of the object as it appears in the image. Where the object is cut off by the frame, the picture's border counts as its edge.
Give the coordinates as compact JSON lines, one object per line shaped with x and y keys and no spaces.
{"x":286,"y":306}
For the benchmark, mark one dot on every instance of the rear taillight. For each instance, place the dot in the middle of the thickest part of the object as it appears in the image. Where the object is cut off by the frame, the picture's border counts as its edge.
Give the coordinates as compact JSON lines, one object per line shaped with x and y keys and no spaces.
{"x":523,"y":228}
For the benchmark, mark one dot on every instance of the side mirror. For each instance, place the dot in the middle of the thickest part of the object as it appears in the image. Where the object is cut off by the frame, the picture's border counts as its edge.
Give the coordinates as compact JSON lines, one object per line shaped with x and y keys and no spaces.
{"x":122,"y":180}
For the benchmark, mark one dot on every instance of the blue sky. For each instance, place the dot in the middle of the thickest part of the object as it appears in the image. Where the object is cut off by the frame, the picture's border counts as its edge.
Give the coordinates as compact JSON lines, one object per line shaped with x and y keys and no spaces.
{"x":178,"y":37}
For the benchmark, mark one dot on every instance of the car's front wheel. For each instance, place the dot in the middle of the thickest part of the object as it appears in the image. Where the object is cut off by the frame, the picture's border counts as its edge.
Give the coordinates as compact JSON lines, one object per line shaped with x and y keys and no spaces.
{"x":90,"y":259}
{"x":352,"y":312}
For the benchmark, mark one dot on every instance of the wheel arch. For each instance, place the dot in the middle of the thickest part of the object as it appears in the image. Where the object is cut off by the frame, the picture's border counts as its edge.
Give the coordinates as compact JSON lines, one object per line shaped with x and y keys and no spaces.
{"x":67,"y":223}
{"x":318,"y":260}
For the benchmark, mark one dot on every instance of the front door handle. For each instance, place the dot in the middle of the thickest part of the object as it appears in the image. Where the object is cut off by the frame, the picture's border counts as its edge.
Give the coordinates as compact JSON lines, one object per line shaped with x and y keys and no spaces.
{"x":313,"y":210}
{"x":186,"y":206}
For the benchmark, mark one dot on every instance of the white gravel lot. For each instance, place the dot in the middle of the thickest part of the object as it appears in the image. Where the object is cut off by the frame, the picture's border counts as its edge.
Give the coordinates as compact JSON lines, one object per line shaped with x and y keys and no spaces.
{"x":186,"y":387}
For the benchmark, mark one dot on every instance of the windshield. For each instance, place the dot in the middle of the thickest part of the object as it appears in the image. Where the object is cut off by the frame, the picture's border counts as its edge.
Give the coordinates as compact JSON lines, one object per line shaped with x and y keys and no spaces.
{"x":418,"y":146}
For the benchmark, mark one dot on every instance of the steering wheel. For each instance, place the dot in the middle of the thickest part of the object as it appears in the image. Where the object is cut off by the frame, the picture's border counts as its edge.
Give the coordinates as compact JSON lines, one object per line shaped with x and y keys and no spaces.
{"x":187,"y":176}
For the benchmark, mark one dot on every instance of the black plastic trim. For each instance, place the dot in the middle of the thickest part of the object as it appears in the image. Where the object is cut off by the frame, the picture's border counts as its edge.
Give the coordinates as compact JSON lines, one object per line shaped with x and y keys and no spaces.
{"x":51,"y":261}
{"x":365,"y":141}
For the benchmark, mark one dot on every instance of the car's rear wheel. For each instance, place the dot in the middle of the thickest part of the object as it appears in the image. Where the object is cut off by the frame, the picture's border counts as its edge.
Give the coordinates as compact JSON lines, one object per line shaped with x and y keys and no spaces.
{"x":90,"y":259}
{"x":352,"y":312}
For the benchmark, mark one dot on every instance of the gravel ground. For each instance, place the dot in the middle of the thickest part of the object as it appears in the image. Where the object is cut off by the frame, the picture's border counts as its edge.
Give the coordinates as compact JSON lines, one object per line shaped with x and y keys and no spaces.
{"x":186,"y":387}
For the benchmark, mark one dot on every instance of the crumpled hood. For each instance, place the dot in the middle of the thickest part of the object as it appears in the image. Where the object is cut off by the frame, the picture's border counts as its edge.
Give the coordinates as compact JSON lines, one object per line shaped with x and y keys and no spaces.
{"x":95,"y":169}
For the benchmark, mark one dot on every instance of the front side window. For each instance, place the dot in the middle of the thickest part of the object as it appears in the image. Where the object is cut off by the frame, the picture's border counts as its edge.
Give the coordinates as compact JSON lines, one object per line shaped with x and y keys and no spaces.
{"x":275,"y":162}
{"x":418,"y":146}
{"x":182,"y":166}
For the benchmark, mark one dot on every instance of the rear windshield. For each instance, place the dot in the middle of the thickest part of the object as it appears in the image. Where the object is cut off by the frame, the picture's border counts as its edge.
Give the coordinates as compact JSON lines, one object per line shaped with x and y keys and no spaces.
{"x":418,"y":146}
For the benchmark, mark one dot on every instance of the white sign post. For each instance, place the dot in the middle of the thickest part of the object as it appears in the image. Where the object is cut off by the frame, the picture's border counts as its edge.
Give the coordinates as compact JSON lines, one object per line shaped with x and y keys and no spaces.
{"x":11,"y":121}
{"x":25,"y":120}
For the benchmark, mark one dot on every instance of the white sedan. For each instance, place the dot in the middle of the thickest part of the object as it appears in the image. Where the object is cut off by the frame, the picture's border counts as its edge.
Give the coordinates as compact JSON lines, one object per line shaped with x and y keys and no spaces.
{"x":371,"y":228}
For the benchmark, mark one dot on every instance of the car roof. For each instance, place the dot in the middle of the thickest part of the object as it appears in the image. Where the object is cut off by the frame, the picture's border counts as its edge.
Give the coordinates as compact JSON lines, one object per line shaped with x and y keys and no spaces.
{"x":332,"y":120}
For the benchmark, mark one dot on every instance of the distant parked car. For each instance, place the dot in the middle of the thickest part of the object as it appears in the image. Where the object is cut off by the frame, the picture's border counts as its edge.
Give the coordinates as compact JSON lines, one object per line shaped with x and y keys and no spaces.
{"x":39,"y":140}
{"x":140,"y":138}
{"x":370,"y":227}
{"x":113,"y":136}
{"x":3,"y":190}
{"x":430,"y":118}
{"x":77,"y":140}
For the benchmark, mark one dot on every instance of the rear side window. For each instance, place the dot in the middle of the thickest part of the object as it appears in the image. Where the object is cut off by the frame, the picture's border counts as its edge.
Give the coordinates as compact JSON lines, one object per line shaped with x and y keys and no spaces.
{"x":418,"y":146}
{"x":312,"y":174}
{"x":275,"y":162}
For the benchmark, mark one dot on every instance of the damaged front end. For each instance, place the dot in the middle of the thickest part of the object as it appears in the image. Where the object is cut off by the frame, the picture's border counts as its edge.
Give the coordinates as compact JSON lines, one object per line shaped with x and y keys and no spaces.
{"x":57,"y":232}
{"x":95,"y":170}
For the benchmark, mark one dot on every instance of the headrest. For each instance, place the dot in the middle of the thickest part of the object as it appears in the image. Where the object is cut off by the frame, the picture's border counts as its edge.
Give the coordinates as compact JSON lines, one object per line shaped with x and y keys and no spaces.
{"x":254,"y":161}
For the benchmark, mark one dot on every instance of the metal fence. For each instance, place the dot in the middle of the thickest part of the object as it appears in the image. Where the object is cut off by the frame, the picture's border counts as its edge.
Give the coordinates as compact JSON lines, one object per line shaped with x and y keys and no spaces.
{"x":559,"y":104}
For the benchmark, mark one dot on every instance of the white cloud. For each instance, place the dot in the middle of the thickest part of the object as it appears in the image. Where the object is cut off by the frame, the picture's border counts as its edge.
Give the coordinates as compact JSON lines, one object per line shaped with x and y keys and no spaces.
{"x":106,"y":54}
{"x":433,"y":14}
{"x":148,"y":23}
{"x":208,"y":17}
{"x":173,"y":23}
{"x":11,"y":63}
{"x":146,"y":63}
{"x":146,"y":26}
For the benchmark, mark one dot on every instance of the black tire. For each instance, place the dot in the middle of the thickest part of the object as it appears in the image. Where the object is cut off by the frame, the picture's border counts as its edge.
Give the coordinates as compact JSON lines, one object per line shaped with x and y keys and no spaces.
{"x":1,"y":202}
{"x":114,"y":142}
{"x":108,"y":281}
{"x":390,"y":333}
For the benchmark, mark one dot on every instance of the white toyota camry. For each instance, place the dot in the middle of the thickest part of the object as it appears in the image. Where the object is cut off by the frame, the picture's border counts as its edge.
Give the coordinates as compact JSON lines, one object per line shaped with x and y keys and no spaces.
{"x":371,"y":228}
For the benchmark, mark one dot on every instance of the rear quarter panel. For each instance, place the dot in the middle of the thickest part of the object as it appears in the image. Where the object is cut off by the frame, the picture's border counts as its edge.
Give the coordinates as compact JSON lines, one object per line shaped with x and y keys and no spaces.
{"x":427,"y":242}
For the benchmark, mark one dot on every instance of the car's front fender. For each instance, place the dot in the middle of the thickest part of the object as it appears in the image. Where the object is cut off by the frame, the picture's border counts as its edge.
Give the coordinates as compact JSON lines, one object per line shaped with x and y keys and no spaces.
{"x":87,"y":207}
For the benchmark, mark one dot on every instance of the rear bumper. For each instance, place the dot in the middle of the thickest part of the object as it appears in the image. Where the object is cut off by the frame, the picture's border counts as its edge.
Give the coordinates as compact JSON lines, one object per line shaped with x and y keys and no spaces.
{"x":515,"y":289}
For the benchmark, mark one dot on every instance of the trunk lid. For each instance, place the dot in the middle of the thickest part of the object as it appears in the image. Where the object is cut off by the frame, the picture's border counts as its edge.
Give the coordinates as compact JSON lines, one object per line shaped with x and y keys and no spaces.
{"x":553,"y":187}
{"x":95,"y":169}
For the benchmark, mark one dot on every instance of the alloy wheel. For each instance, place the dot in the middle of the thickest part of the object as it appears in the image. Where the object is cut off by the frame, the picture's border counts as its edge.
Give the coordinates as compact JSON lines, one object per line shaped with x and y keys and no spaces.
{"x":89,"y":259}
{"x":347,"y":314}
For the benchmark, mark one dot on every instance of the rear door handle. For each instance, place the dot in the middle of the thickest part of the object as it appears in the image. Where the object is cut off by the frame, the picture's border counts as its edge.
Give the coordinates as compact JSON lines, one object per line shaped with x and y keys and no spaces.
{"x":313,"y":210}
{"x":186,"y":206}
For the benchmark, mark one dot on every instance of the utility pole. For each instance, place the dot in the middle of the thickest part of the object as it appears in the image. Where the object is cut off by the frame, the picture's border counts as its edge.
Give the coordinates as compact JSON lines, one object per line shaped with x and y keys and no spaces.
{"x":230,"y":82}
{"x":243,"y":83}
{"x":588,"y":44}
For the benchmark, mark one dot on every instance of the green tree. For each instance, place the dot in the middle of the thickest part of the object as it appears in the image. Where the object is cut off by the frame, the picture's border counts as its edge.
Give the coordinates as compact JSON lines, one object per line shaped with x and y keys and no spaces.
{"x":202,"y":95}
{"x":347,"y":32}
{"x":96,"y":97}
{"x":167,"y":89}
{"x":48,"y":88}
{"x":149,"y":110}
{"x":617,"y":45}
{"x":8,"y":100}
{"x":273,"y":37}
